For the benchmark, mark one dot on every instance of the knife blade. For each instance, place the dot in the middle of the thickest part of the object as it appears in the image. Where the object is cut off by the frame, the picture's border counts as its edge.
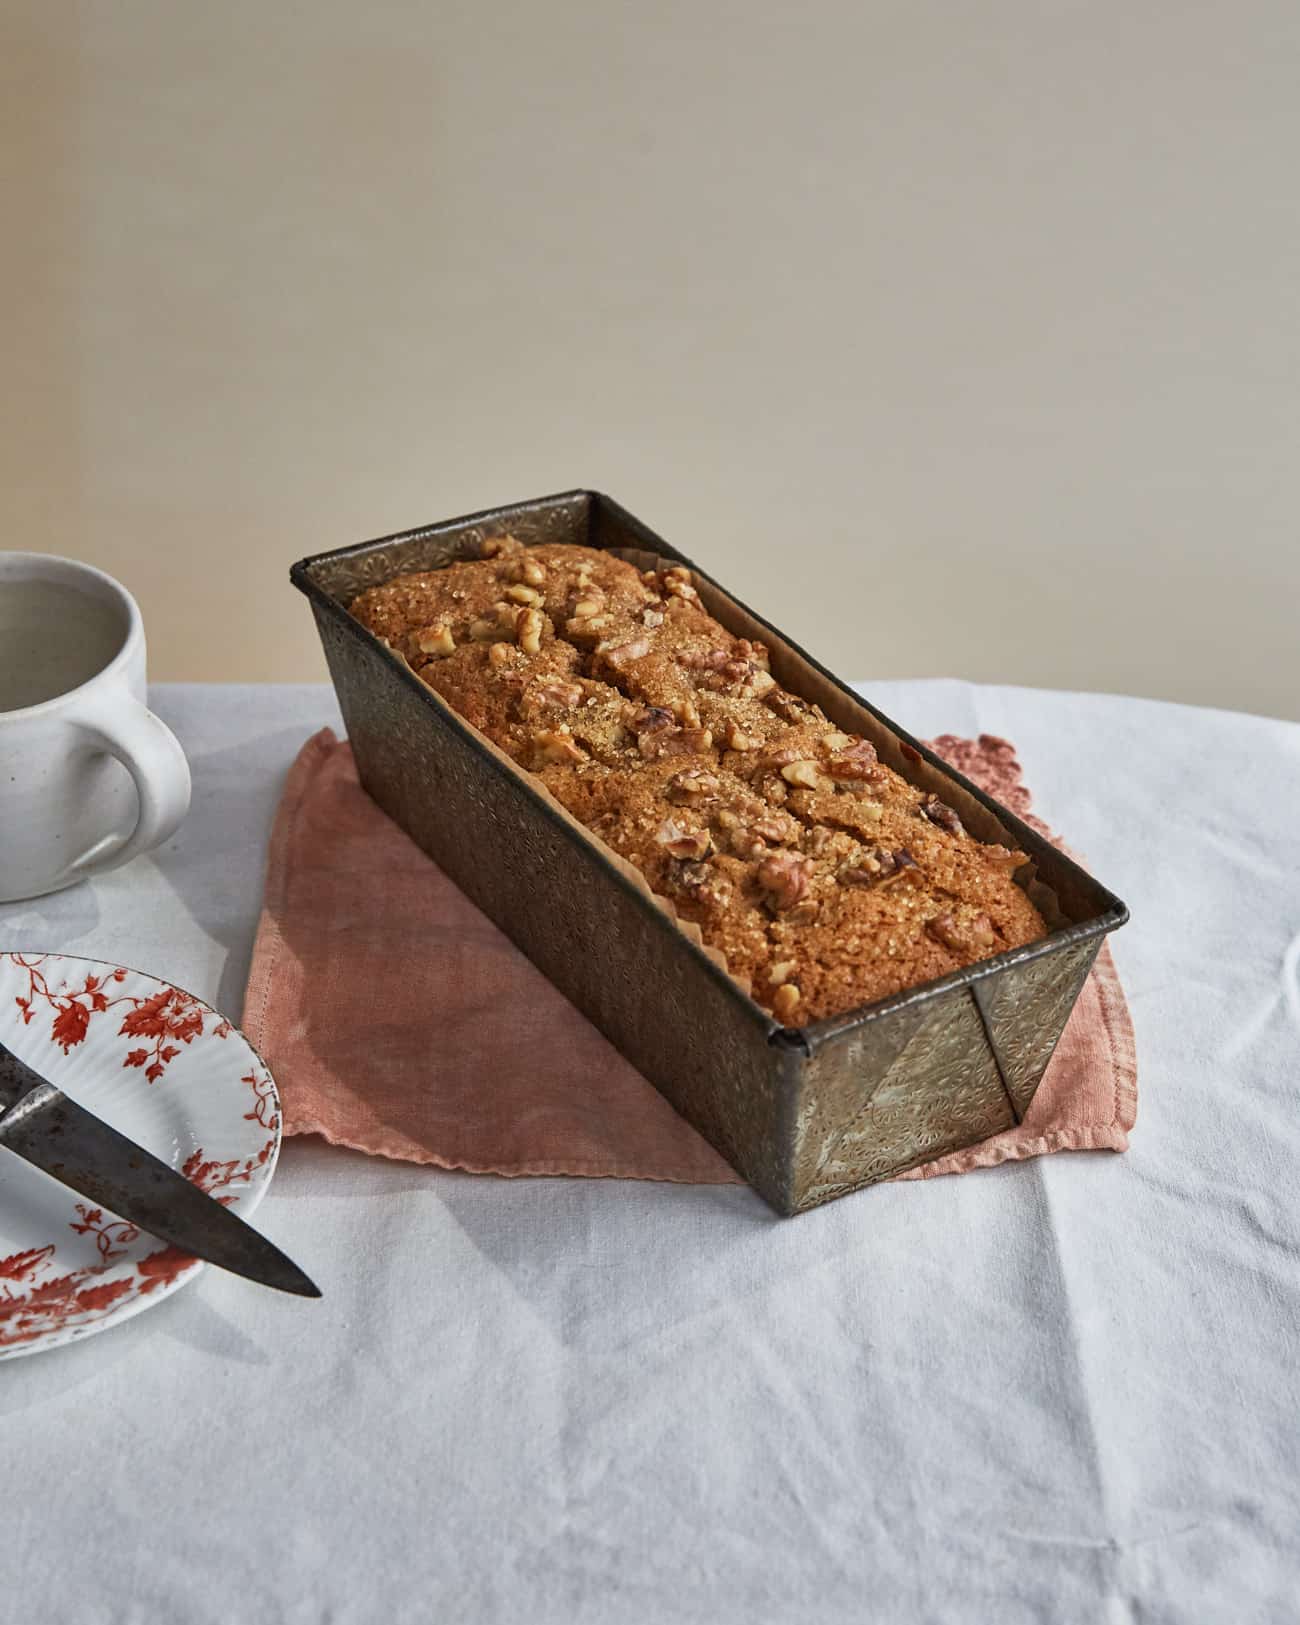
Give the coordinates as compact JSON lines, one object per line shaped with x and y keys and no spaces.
{"x":39,"y":1123}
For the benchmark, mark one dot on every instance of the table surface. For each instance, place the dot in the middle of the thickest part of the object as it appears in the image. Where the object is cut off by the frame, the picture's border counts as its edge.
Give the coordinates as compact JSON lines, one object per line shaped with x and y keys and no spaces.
{"x":1063,"y":1390}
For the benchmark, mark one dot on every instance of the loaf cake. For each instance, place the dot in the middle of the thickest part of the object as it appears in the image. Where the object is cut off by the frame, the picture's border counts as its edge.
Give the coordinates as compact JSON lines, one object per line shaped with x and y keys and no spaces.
{"x":824,"y":878}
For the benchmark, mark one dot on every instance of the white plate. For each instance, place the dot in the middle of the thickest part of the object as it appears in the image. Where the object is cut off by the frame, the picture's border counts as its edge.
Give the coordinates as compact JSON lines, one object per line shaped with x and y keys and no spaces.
{"x":162,"y":1067}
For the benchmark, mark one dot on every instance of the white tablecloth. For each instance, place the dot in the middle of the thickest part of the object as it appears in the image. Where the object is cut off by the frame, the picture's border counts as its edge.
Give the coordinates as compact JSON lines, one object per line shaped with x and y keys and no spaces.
{"x":1059,"y":1391}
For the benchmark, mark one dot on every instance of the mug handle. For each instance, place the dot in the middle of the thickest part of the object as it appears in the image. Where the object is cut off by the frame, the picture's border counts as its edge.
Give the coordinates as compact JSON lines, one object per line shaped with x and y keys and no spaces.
{"x":152,"y":755}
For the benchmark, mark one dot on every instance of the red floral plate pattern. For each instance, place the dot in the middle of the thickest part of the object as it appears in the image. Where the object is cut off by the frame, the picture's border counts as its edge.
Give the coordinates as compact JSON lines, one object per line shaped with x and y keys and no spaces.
{"x":162,"y":1067}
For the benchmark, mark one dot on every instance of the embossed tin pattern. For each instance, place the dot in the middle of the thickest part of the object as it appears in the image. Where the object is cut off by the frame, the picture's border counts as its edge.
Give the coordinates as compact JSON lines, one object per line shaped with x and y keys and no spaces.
{"x":805,"y":1115}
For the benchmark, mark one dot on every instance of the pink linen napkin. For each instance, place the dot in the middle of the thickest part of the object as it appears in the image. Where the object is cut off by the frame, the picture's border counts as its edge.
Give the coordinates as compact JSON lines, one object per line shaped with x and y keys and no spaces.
{"x":399,"y":1021}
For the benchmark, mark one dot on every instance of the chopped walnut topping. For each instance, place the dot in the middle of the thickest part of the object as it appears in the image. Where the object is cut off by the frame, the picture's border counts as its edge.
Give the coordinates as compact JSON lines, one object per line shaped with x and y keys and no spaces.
{"x":775,"y":793}
{"x":687,"y":713}
{"x":782,"y":970}
{"x":553,"y":691}
{"x":589,"y":627}
{"x":681,"y":842}
{"x":705,"y":659}
{"x":790,"y":708}
{"x":495,"y":546}
{"x":435,"y":640}
{"x":982,"y":932}
{"x":556,"y":745}
{"x":858,"y":761}
{"x":785,"y":1001}
{"x":803,"y":774}
{"x":700,"y":881}
{"x":677,"y":584}
{"x":652,"y":617}
{"x":500,"y":654}
{"x":736,"y":738}
{"x":528,"y":630}
{"x":944,"y":929}
{"x":741,"y":670}
{"x":772,"y":829}
{"x":837,"y":740}
{"x":623,"y":654}
{"x":758,"y":684}
{"x":974,"y":936}
{"x":484,"y":631}
{"x":940,"y":813}
{"x":876,"y":866}
{"x":784,"y":878}
{"x":650,"y":719}
{"x":585,"y":608}
{"x":523,"y":595}
{"x":675,"y":742}
{"x":803,"y":913}
{"x":530,"y":572}
{"x":692,"y":784}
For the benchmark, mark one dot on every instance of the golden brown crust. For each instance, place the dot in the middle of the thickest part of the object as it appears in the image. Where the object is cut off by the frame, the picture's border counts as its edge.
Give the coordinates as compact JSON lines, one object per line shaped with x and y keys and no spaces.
{"x":822,"y":876}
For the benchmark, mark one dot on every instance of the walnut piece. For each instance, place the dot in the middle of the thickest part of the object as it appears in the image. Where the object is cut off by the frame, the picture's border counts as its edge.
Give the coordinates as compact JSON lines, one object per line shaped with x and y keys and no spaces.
{"x":500,"y":654}
{"x":876,"y":866}
{"x":523,"y":595}
{"x":736,"y":738}
{"x":975,"y":936}
{"x":699,"y":881}
{"x":782,"y":971}
{"x":622,"y":655}
{"x":773,"y":829}
{"x":803,"y":774}
{"x":784,"y":878}
{"x":681,"y":842}
{"x":675,"y":741}
{"x":530,"y":572}
{"x":790,"y":708}
{"x":435,"y":640}
{"x":856,"y":761}
{"x":692,"y":784}
{"x":528,"y":630}
{"x":556,"y":745}
{"x":649,"y":719}
{"x":940,"y":813}
{"x":687,"y":713}
{"x":677,"y":584}
{"x":553,"y":691}
{"x":785,"y":1001}
{"x":494,"y":546}
{"x":484,"y":631}
{"x":589,"y":626}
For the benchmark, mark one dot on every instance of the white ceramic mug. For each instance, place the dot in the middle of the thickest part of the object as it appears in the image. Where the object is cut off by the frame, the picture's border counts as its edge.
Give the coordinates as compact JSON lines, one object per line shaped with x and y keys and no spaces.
{"x":89,"y":777}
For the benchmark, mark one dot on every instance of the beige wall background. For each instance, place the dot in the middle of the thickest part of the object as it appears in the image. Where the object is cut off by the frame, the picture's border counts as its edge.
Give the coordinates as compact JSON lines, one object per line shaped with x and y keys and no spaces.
{"x":961,"y":338}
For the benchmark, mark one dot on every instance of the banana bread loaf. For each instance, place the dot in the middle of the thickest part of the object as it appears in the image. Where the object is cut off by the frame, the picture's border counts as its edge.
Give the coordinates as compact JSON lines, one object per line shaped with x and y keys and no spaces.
{"x":820,"y":874}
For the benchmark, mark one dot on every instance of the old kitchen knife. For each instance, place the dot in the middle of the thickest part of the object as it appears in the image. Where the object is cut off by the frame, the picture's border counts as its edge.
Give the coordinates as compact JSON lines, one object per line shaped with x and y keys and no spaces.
{"x":41,"y":1124}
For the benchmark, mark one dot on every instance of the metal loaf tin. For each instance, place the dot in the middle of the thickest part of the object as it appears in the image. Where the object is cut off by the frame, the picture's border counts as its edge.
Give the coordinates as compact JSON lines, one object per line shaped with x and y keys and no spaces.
{"x":805,"y":1115}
